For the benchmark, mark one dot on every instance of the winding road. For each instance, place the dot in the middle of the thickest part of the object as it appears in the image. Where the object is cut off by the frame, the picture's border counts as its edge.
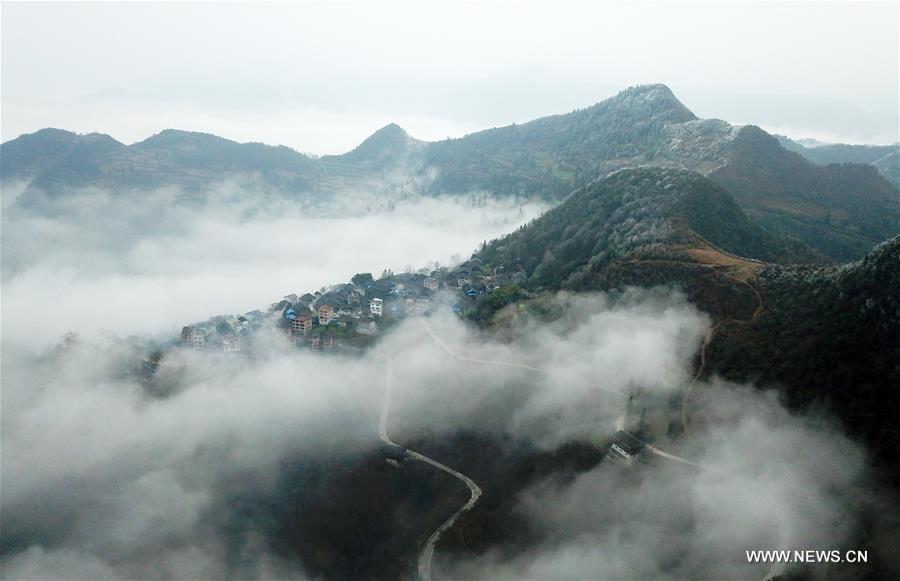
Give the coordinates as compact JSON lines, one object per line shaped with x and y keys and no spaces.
{"x":427,"y":552}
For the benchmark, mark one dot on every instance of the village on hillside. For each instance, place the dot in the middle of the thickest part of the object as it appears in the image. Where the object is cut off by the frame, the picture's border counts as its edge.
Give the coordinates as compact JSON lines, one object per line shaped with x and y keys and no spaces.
{"x":351,"y":315}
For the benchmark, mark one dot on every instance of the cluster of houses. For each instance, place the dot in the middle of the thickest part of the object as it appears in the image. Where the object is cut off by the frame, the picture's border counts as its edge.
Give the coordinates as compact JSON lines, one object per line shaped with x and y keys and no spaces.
{"x":354,"y":312}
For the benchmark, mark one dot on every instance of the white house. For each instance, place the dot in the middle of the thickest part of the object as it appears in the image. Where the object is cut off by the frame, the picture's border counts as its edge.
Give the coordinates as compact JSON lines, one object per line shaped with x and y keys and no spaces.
{"x":376,"y":307}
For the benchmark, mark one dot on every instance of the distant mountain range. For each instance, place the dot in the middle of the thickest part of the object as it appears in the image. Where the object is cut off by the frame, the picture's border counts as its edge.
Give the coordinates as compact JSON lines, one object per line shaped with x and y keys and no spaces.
{"x":841,"y":211}
{"x":885,"y":158}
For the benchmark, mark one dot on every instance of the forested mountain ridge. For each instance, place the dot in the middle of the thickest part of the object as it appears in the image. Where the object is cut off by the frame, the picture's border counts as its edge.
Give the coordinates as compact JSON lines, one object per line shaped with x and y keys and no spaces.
{"x":842,"y":211}
{"x":53,"y":160}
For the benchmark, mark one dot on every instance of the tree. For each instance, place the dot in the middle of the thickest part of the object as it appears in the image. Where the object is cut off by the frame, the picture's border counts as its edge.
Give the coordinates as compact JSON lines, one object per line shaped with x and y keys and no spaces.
{"x":362,"y":278}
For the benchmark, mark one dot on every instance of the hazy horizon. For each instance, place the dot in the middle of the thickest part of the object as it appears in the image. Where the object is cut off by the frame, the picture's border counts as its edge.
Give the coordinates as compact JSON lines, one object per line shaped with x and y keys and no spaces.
{"x":286,"y":74}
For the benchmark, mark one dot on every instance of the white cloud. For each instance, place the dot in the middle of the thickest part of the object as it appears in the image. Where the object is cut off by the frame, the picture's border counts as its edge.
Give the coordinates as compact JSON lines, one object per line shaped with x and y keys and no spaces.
{"x":140,"y":265}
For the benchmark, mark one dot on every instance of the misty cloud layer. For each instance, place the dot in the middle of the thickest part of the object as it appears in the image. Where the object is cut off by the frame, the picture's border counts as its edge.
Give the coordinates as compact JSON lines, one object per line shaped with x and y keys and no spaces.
{"x":108,"y":475}
{"x":147,"y":262}
{"x":100,"y":479}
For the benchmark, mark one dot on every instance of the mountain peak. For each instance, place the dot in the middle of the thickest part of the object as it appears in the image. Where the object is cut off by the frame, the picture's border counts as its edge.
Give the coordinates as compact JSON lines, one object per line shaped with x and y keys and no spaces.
{"x":382,"y":146}
{"x":652,"y":102}
{"x":388,"y":136}
{"x":392,"y":129}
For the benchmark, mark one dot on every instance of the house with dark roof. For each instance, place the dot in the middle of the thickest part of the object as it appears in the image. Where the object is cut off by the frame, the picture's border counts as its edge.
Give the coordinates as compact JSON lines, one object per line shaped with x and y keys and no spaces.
{"x":623,"y":446}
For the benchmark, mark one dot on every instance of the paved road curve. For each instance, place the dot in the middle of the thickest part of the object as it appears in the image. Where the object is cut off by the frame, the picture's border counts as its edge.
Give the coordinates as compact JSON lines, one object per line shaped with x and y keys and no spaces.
{"x":427,"y":552}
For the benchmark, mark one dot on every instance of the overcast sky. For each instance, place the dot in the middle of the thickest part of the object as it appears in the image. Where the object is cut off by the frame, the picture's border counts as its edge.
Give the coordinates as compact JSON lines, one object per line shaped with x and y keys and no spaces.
{"x":320,"y":78}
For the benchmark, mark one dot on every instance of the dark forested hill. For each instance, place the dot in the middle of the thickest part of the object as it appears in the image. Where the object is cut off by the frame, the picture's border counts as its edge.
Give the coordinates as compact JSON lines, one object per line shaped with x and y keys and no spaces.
{"x":840,"y":210}
{"x":829,"y":336}
{"x":632,"y":212}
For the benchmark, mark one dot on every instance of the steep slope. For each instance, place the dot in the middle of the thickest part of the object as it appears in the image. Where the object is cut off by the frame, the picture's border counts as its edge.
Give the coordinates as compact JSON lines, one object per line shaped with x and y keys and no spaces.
{"x":635,"y":211}
{"x":841,"y":210}
{"x":827,"y":336}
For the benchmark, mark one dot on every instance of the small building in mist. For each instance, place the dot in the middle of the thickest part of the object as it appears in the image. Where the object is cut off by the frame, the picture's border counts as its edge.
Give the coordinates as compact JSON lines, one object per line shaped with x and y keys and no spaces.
{"x":193,"y":338}
{"x":625,"y":447}
{"x":231,"y":345}
{"x":394,"y":452}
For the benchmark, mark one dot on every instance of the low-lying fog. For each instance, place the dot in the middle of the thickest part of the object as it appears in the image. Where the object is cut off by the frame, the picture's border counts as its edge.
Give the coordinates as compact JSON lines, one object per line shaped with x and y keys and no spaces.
{"x":101,"y":479}
{"x":140,"y":264}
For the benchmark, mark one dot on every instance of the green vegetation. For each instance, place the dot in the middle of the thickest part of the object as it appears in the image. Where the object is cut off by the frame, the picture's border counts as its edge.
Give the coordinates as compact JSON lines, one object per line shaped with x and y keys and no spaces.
{"x":842,"y":211}
{"x":828,"y":336}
